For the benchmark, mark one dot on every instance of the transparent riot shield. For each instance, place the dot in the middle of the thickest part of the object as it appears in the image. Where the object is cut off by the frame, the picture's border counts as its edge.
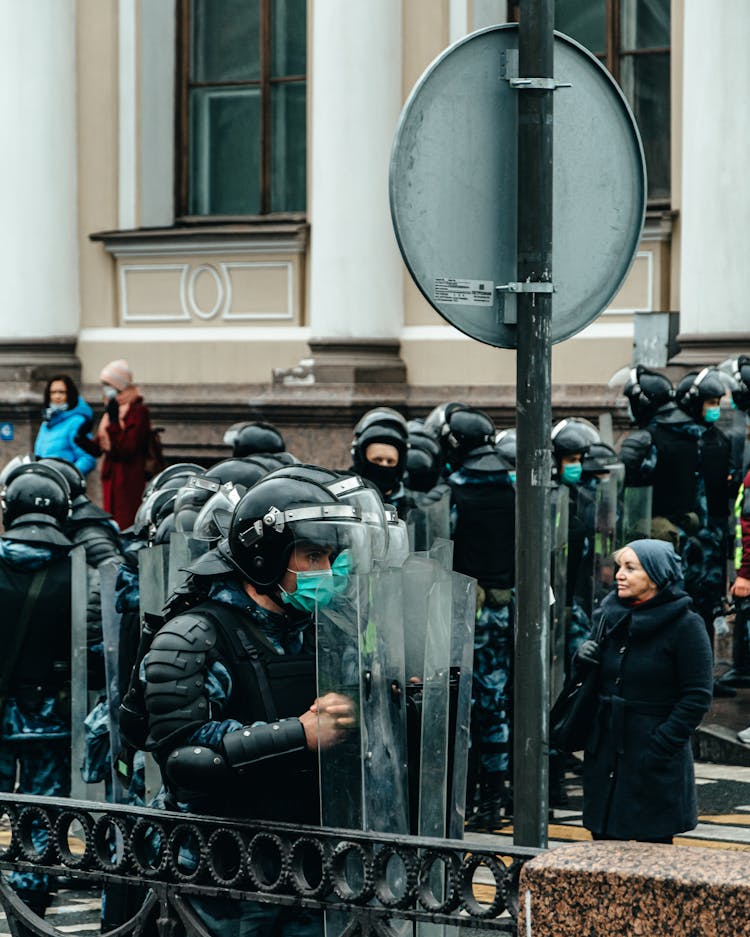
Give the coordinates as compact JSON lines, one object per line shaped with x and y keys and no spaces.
{"x":464,"y":612}
{"x":360,"y":649}
{"x":153,"y":583}
{"x":433,"y":757}
{"x":608,"y":497}
{"x":559,"y":503}
{"x":636,"y":515}
{"x":363,"y":779}
{"x":183,"y":550}
{"x":111,"y":640}
{"x":80,"y":698}
{"x":428,"y":521}
{"x":153,"y":578}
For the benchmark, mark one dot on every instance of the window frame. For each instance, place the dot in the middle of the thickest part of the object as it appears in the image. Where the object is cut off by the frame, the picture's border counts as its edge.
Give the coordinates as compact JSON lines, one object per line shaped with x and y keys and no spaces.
{"x":612,"y":57}
{"x":183,"y":86}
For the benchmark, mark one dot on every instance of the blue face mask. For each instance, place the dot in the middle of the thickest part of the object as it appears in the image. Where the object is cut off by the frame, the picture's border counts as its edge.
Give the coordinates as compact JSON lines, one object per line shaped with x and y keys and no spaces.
{"x":571,"y":474}
{"x":712,"y":414}
{"x":512,"y":477}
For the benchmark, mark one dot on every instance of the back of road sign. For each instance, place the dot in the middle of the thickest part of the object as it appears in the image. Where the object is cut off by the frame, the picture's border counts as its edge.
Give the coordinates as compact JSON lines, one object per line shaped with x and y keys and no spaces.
{"x":453,"y":186}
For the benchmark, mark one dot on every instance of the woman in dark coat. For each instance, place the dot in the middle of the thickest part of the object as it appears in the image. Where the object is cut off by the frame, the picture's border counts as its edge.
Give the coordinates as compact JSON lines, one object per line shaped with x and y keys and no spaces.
{"x":654,"y":680}
{"x":122,"y":437}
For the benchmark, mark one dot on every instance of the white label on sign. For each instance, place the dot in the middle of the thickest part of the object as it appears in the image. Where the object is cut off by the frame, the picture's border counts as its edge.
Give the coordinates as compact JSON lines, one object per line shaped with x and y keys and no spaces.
{"x":464,"y":292}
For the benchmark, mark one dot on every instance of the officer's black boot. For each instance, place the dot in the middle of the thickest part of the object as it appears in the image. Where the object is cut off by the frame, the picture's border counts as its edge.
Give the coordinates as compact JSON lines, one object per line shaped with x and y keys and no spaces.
{"x":492,"y":799}
{"x":558,"y":796}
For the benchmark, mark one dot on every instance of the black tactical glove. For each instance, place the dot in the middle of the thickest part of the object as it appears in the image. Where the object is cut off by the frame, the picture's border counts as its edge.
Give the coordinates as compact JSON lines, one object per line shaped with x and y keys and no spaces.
{"x":113,"y":410}
{"x":587,"y":655}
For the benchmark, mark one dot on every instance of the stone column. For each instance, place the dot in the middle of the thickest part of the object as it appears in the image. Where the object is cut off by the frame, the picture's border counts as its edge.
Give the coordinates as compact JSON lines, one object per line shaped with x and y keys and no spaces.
{"x":715,"y":195}
{"x":39,"y":236}
{"x":356,"y":277}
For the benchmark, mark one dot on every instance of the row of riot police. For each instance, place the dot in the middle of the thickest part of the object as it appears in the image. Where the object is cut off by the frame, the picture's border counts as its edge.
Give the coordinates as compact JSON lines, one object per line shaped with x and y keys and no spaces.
{"x":266,"y":625}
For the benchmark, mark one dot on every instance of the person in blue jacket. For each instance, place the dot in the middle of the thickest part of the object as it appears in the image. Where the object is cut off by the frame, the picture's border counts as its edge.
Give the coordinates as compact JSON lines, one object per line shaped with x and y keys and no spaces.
{"x":65,"y":414}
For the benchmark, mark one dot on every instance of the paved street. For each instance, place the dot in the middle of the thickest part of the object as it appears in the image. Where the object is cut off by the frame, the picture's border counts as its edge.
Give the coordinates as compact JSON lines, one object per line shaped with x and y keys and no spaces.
{"x":723,"y":804}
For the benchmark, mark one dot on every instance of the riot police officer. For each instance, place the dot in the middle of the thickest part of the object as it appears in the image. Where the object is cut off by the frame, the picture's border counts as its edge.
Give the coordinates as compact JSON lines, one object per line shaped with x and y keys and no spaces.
{"x":483,"y":515}
{"x":378,"y":450}
{"x":35,"y":591}
{"x":254,"y":439}
{"x":243,"y":741}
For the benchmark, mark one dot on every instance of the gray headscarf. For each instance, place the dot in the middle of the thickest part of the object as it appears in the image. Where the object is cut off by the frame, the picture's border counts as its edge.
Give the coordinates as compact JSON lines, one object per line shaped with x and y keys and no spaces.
{"x":659,"y":561}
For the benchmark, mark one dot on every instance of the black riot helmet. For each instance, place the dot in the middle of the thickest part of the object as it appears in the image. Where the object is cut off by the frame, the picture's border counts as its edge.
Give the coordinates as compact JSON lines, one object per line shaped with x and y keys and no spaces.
{"x":423,"y":469}
{"x":25,"y":459}
{"x":251,"y":438}
{"x":507,"y":445}
{"x":598,"y":460}
{"x":388,"y":427}
{"x":350,"y":489}
{"x":465,"y":430}
{"x":278,"y":514}
{"x":35,"y":504}
{"x":696,"y":388}
{"x":198,"y":489}
{"x":74,"y":476}
{"x":739,"y":370}
{"x":647,"y":392}
{"x":569,"y":437}
{"x":173,"y":476}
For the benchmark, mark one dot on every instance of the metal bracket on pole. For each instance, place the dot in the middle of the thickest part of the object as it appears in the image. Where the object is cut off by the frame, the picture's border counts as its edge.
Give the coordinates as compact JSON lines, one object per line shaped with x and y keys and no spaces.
{"x":510,"y":313}
{"x":510,"y":73}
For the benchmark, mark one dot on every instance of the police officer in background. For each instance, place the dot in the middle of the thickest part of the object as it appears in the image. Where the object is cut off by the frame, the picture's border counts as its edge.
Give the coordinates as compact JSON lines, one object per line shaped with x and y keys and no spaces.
{"x":253,"y":439}
{"x":35,"y":593}
{"x":243,"y":742}
{"x":483,"y":529}
{"x":687,"y":460}
{"x":378,"y":450}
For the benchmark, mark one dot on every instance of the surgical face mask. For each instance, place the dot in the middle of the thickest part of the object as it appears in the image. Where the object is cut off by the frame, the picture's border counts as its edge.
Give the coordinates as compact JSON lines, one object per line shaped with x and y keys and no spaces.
{"x":712,"y":414}
{"x":55,"y":408}
{"x":109,"y":393}
{"x":314,"y":588}
{"x":512,"y":476}
{"x":341,"y":567}
{"x":571,"y":474}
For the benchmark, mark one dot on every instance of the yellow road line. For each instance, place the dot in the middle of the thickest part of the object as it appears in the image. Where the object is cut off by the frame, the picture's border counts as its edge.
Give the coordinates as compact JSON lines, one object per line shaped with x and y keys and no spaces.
{"x":731,"y":819}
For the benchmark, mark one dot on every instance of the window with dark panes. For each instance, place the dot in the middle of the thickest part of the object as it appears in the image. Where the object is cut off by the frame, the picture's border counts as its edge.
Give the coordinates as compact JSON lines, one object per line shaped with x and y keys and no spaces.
{"x":242,"y":121}
{"x":632,"y":38}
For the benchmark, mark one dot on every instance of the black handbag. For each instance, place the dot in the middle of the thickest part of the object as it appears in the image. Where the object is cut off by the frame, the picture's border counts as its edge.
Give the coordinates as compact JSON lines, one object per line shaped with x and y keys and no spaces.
{"x":571,"y":718}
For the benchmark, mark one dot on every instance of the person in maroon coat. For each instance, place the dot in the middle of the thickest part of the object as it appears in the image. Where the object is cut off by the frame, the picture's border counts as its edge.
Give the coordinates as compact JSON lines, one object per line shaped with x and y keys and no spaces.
{"x":122,"y":438}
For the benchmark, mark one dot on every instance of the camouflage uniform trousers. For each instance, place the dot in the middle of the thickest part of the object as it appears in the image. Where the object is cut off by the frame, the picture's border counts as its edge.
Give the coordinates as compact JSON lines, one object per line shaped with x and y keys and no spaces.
{"x":492,"y":703}
{"x":43,"y":768}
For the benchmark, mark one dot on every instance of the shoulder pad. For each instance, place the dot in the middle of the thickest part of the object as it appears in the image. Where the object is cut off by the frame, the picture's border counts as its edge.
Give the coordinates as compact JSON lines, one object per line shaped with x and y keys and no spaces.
{"x":190,"y":631}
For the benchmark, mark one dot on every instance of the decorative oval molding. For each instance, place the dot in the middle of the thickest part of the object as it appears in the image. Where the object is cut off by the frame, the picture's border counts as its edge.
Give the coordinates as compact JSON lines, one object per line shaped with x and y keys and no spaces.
{"x":220,"y":291}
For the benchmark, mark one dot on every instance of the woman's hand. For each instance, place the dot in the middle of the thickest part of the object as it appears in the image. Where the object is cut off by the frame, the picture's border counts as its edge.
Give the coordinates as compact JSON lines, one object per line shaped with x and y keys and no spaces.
{"x":740,"y":587}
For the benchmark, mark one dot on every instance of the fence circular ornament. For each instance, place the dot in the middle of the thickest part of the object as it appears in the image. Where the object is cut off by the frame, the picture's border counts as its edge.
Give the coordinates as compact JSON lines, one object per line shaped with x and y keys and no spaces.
{"x":454,"y":182}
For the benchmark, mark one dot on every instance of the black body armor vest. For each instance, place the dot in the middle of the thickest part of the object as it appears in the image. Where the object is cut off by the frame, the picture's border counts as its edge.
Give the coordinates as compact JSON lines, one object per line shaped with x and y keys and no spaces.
{"x":44,"y":656}
{"x":680,"y":460}
{"x":484,"y":538}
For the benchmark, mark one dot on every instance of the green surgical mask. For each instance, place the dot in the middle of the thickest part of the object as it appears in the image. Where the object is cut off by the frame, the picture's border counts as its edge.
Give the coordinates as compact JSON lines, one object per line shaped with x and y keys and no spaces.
{"x":512,"y":476}
{"x":341,"y":567}
{"x":712,"y":414}
{"x":571,"y":474}
{"x":315,"y":588}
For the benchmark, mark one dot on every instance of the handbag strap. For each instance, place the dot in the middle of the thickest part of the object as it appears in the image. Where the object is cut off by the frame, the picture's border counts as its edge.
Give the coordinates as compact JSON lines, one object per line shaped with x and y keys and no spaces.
{"x":19,"y":632}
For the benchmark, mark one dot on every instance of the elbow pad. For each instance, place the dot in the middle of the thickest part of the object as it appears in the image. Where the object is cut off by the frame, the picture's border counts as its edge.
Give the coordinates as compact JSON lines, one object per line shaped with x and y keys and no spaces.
{"x":255,"y":743}
{"x":195,"y":769}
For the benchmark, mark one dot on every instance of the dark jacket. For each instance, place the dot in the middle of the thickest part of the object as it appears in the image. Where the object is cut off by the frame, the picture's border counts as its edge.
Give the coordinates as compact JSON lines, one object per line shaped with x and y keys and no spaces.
{"x":655,"y":681}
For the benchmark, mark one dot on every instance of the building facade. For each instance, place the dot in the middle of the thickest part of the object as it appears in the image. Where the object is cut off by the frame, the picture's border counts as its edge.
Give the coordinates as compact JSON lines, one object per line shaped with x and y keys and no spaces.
{"x":201,"y":187}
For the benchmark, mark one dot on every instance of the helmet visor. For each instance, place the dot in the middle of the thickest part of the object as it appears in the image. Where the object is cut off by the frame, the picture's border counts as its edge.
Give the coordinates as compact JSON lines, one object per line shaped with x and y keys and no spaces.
{"x":214,"y":518}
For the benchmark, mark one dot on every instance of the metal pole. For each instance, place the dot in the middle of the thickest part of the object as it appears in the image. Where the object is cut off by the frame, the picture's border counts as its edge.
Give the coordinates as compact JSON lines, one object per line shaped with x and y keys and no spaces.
{"x":534,"y":423}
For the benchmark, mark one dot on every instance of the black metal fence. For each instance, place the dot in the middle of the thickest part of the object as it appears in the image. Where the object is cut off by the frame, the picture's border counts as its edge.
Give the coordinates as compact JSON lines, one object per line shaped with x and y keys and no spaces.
{"x":375,"y":882}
